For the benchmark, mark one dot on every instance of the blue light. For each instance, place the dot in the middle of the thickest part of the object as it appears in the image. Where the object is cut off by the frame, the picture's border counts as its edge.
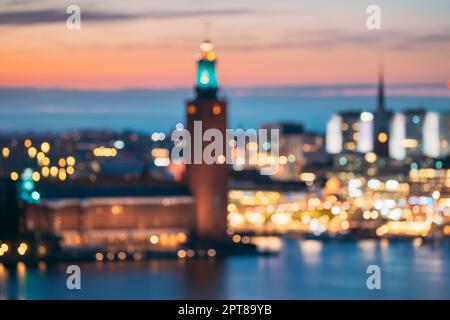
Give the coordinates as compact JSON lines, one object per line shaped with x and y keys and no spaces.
{"x":414,"y":166}
{"x":416,"y":119}
{"x":342,"y":161}
{"x":119,"y":144}
{"x":438,"y":164}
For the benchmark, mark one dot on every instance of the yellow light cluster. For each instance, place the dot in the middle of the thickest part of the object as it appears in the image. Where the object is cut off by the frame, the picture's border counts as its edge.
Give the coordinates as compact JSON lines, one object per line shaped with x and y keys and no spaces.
{"x":105,"y":152}
{"x":22,"y":249}
{"x":409,"y":228}
{"x":3,"y":249}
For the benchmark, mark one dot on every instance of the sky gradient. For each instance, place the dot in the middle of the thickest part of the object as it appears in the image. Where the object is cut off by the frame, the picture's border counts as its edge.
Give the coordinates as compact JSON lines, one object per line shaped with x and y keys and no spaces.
{"x":151,"y":44}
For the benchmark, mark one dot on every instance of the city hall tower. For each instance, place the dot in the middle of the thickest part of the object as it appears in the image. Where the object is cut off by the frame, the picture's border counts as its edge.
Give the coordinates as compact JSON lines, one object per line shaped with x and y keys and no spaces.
{"x":208,"y":182}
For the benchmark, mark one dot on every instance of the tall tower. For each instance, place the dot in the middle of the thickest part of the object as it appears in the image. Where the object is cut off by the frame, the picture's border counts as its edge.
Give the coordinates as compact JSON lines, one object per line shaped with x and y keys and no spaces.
{"x":208,"y":182}
{"x":381,"y":122}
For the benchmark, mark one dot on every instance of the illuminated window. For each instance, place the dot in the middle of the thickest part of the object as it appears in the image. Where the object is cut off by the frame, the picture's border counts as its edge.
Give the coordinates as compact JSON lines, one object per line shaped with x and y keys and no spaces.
{"x":14,"y":176}
{"x":416,"y":119}
{"x":382,"y":137}
{"x":217,"y":110}
{"x":5,"y":152}
{"x":370,"y":157}
{"x":27,"y":143}
{"x":191,"y":109}
{"x":45,"y":147}
{"x":116,"y":209}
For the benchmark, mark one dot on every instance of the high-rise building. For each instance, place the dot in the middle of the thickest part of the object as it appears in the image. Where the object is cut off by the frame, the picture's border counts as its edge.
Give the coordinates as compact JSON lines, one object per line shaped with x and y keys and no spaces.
{"x":414,"y":127}
{"x":397,"y":149}
{"x":334,"y":137}
{"x":431,"y":143}
{"x":208,"y":182}
{"x":444,"y":134}
{"x":416,"y":134}
{"x":350,"y":131}
{"x":290,"y":149}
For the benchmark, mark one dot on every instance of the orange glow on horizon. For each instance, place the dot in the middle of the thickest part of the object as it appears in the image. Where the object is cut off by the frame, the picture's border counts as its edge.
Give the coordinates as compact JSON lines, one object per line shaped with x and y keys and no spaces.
{"x":118,"y":55}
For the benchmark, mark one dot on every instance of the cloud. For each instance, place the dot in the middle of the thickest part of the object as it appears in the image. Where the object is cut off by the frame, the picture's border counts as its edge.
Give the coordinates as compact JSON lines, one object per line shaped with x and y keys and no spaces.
{"x":45,"y":16}
{"x":325,"y":39}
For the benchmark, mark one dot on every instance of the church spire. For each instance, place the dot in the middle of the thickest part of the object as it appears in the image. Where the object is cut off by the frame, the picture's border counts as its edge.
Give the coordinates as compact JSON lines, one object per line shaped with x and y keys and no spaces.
{"x":207,"y":84}
{"x":381,"y":106}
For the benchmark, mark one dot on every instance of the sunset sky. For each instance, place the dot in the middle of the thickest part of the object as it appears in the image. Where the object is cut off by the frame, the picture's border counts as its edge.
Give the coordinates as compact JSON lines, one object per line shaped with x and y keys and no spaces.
{"x":151,"y":44}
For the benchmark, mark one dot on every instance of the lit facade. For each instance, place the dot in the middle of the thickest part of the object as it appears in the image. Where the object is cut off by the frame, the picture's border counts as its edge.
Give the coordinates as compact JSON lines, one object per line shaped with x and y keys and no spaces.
{"x":114,"y":217}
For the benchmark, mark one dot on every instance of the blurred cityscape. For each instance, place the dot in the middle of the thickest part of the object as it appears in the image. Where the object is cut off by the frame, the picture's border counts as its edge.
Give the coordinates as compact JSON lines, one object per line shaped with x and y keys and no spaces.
{"x":105,"y":195}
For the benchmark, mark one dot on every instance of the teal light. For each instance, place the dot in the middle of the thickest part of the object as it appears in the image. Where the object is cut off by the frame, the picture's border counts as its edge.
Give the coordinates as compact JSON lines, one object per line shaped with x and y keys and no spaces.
{"x":266,"y":146}
{"x":207,"y":84}
{"x":27,"y":186}
{"x":439,"y":164}
{"x":27,"y":174}
{"x":35,"y":196}
{"x":206,"y":75}
{"x":342,"y":161}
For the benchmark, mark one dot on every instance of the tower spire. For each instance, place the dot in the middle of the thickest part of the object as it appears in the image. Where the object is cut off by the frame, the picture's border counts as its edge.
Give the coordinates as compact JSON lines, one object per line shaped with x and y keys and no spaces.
{"x":381,"y":106}
{"x":207,"y":30}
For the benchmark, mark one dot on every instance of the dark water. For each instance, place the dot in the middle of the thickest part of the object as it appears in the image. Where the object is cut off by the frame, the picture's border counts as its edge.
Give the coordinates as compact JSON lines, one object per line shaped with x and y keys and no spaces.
{"x":306,"y":269}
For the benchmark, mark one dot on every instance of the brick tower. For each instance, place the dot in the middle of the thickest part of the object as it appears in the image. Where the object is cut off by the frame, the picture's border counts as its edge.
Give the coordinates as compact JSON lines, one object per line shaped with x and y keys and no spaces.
{"x":208,"y":182}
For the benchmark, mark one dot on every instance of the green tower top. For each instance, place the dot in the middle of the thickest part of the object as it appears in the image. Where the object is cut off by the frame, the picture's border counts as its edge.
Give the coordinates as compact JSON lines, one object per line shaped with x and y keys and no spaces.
{"x":207,"y":85}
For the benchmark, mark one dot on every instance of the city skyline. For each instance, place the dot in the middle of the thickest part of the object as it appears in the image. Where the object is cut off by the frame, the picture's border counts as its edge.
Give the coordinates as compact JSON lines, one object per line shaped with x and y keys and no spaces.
{"x":224,"y":150}
{"x":140,"y":45}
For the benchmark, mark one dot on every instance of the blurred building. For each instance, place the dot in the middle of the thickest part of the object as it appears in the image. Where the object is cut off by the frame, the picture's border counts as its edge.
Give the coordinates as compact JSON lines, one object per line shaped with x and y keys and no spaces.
{"x":414,"y":131}
{"x":208,"y":182}
{"x":417,"y":134}
{"x":298,"y":149}
{"x":114,"y":215}
{"x":444,"y":134}
{"x":290,"y":148}
{"x":350,"y":131}
{"x":411,"y":135}
{"x":381,"y":123}
{"x":10,"y":209}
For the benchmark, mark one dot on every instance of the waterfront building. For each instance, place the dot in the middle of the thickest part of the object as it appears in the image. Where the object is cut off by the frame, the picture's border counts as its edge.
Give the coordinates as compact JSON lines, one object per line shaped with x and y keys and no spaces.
{"x":114,"y":215}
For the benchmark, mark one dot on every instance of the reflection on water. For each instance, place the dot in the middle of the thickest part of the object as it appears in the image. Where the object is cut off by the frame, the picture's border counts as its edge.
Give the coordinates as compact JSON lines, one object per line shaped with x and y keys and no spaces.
{"x":310,"y":250}
{"x":268,"y":244}
{"x":304,"y":269}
